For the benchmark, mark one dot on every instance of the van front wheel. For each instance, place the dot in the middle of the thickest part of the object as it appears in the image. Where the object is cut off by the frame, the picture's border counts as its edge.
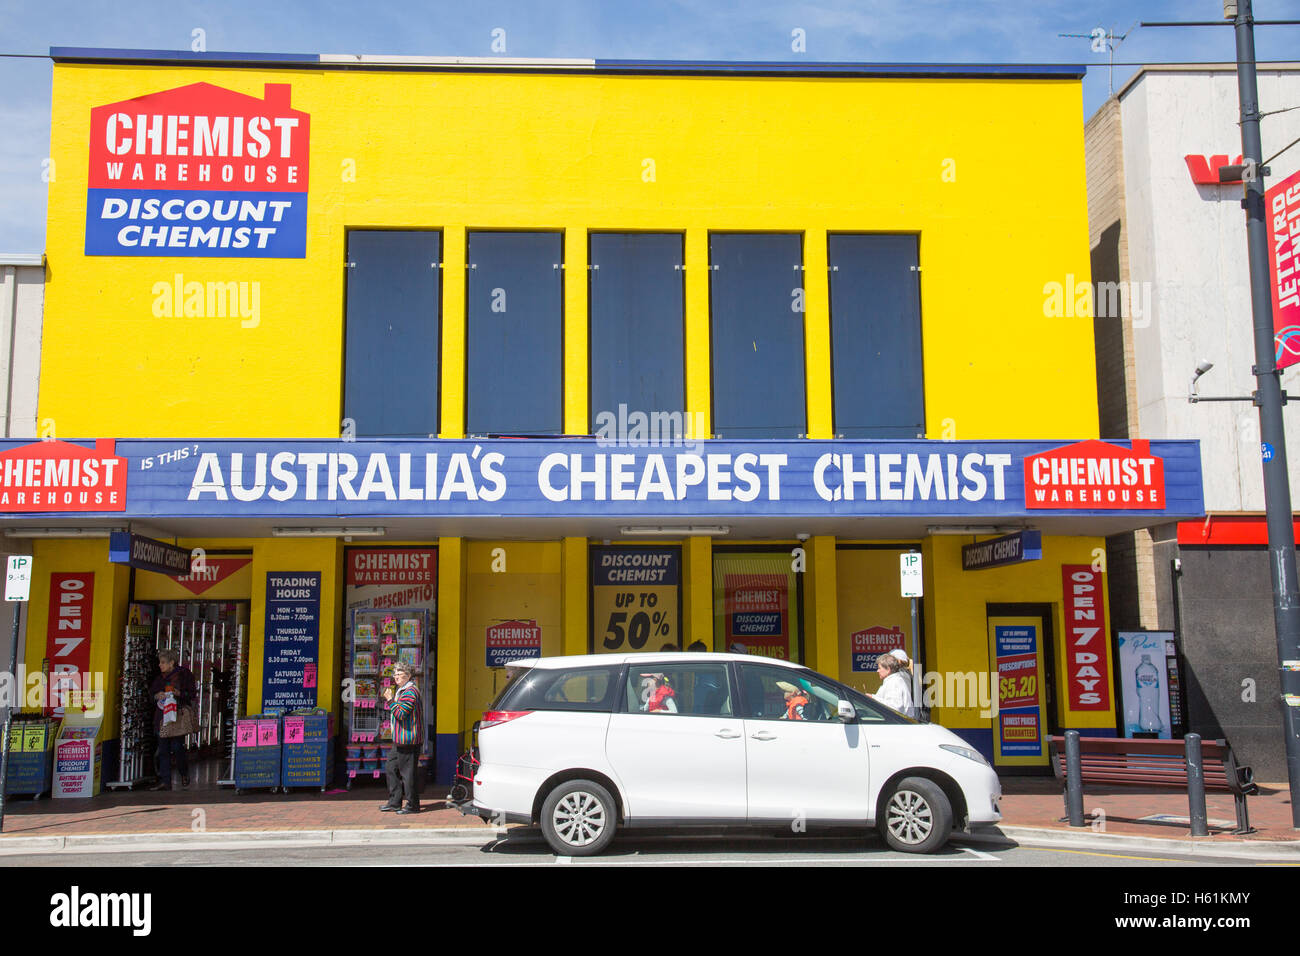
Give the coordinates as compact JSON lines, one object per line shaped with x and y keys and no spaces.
{"x":579,"y":818}
{"x":918,"y":816}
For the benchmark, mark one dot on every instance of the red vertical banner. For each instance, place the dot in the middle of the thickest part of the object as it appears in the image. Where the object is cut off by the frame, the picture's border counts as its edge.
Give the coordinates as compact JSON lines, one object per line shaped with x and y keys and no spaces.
{"x":1086,"y":640}
{"x":67,"y":637}
{"x":1282,"y":215}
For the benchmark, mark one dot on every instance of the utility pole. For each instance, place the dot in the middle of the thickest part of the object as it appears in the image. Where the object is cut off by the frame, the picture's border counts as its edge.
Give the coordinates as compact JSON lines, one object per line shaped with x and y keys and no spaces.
{"x":1277,"y":485}
{"x":1268,"y":396}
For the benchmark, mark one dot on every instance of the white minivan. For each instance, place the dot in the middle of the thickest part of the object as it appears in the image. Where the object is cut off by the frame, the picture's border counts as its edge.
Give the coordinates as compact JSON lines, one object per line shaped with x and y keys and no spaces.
{"x":585,"y":745}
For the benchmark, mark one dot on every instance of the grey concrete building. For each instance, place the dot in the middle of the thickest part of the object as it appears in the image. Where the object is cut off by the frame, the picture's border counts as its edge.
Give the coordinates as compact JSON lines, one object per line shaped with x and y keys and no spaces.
{"x":22,"y":297}
{"x":1171,"y":290}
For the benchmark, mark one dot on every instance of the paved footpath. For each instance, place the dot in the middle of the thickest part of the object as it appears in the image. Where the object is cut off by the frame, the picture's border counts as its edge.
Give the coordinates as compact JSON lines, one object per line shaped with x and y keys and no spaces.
{"x":1032,"y":809}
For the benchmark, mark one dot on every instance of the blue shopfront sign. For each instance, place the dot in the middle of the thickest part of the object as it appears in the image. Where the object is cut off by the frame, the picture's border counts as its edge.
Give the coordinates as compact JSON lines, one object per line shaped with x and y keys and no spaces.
{"x":1008,"y":549}
{"x":300,"y":478}
{"x":148,"y":554}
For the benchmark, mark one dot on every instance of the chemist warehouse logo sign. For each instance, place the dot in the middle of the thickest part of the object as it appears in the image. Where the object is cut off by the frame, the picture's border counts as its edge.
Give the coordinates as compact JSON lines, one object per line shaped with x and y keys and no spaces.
{"x":1094,"y":475}
{"x":61,"y":476}
{"x":199,"y":171}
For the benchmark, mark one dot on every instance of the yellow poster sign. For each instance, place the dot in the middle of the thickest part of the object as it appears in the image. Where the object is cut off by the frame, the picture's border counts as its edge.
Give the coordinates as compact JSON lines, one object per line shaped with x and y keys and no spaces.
{"x":635,"y":599}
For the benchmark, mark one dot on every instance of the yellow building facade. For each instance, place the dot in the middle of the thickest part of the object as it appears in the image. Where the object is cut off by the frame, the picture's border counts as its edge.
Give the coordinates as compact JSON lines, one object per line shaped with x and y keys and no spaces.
{"x":176,"y":343}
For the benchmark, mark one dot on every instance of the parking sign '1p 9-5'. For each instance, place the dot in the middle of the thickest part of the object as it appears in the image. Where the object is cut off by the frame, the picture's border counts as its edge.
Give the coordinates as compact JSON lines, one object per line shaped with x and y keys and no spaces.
{"x":909,"y":574}
{"x":18,"y":577}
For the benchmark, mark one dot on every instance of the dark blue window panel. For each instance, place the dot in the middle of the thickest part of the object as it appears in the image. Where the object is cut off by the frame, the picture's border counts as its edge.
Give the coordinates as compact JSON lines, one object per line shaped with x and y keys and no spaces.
{"x":875,"y":291}
{"x":515,"y":335}
{"x":758,"y":357}
{"x":390,"y":370}
{"x":638,"y":356}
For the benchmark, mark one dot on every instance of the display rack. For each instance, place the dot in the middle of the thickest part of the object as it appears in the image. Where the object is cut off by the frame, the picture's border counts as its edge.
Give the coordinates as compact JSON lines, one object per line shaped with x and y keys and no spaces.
{"x":135,"y":759}
{"x":31,"y":754}
{"x":207,"y":649}
{"x":236,"y":694}
{"x":379,"y":638}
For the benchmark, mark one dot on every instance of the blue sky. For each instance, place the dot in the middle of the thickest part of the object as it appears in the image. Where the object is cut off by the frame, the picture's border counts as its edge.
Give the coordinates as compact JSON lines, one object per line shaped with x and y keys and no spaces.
{"x":1010,"y":31}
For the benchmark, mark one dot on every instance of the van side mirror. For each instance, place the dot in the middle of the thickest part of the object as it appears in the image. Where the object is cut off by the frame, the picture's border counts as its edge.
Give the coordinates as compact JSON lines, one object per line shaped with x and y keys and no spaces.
{"x":846,"y":712}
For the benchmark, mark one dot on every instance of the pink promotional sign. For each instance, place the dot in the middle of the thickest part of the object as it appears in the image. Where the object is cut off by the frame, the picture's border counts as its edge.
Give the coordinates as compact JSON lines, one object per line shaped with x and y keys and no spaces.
{"x":1282,"y":215}
{"x":267,"y":733}
{"x":246,"y":733}
{"x":294,"y":730}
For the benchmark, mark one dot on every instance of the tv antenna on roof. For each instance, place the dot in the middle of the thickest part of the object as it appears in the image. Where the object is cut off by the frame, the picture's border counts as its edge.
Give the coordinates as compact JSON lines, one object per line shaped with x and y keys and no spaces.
{"x":1103,"y":41}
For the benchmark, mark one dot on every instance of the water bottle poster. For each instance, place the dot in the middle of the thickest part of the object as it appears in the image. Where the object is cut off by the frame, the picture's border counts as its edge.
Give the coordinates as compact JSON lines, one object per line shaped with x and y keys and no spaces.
{"x":1143,"y":678}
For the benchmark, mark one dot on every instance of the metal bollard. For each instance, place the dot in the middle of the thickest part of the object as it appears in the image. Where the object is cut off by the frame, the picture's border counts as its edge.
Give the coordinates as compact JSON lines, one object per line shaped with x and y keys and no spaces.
{"x":1073,"y":779}
{"x":1196,"y":786}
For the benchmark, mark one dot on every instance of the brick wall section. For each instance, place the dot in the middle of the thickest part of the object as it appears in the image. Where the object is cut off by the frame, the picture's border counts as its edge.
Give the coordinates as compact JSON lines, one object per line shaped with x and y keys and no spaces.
{"x":1130,"y":571}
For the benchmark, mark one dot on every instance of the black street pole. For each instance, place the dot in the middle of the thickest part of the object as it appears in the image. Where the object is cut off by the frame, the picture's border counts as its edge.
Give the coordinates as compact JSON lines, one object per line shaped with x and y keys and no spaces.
{"x":9,"y":713}
{"x":1277,"y":485}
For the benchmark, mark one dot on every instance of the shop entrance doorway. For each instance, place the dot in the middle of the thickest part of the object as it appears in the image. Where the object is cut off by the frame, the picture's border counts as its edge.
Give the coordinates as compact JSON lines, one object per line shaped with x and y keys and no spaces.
{"x":1022,"y":661}
{"x":204,"y":617}
{"x":210,"y":639}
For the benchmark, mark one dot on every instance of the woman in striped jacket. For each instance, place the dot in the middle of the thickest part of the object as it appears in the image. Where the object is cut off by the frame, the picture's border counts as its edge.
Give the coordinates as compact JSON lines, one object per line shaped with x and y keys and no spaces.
{"x":407,"y":716}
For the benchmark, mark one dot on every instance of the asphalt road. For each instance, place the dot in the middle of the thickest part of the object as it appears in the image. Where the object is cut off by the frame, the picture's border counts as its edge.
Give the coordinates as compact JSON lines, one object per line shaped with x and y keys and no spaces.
{"x":525,"y":848}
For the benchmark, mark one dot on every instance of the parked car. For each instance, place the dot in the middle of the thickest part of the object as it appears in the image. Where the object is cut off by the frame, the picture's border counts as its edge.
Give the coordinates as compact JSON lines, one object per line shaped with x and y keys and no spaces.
{"x":587,"y":745}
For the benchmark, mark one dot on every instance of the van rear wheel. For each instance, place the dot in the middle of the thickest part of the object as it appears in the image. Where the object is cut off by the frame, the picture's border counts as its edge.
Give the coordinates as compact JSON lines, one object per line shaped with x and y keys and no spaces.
{"x":579,"y":818}
{"x":918,"y":816}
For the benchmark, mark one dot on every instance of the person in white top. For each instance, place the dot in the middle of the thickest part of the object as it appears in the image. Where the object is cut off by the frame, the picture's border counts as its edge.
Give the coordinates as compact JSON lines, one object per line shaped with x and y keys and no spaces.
{"x":895,"y":687}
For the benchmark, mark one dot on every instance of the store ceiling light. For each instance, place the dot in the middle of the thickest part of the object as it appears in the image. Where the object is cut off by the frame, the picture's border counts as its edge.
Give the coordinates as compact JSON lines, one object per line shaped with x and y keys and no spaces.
{"x":971,"y":529}
{"x":678,"y":532}
{"x":60,"y":532}
{"x":328,"y":532}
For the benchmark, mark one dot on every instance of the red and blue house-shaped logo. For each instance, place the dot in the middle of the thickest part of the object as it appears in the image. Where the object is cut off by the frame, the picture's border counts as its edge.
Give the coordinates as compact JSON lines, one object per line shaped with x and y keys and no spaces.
{"x":199,"y":171}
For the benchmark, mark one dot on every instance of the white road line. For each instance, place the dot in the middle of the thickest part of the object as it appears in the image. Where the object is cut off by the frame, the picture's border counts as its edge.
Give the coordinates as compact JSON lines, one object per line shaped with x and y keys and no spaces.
{"x":743,"y":861}
{"x":979,"y":855}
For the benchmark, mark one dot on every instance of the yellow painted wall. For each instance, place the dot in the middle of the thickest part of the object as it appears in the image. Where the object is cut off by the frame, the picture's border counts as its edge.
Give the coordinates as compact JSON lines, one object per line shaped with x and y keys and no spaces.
{"x":530,"y":588}
{"x":956,"y":619}
{"x":450,"y":693}
{"x":453,"y":151}
{"x":108,"y":620}
{"x":868,"y":596}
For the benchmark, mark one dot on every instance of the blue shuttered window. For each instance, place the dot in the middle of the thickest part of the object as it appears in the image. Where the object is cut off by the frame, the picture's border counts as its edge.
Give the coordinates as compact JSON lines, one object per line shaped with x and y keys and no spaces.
{"x":756,"y":305}
{"x":390,"y":373}
{"x":515,"y":334}
{"x":875,"y":291}
{"x":638,"y":357}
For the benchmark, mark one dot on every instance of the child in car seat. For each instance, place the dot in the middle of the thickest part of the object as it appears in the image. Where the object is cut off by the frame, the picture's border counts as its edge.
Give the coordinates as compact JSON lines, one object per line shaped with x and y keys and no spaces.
{"x":796,"y":699}
{"x":660,"y":696}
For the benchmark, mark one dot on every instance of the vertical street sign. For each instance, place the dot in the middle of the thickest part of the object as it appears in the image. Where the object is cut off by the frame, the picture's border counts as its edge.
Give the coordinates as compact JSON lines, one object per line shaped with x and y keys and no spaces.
{"x":18,"y":588}
{"x":909,"y":574}
{"x":18,"y":577}
{"x":909,"y":583}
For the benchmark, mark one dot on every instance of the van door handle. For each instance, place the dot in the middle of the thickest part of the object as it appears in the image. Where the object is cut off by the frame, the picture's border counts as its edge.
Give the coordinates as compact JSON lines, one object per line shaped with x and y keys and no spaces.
{"x":727,"y":734}
{"x":763,"y":735}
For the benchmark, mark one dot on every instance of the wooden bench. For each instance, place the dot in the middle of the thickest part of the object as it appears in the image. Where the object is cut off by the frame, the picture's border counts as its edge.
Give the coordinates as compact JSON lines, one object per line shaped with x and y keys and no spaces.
{"x":1144,"y":762}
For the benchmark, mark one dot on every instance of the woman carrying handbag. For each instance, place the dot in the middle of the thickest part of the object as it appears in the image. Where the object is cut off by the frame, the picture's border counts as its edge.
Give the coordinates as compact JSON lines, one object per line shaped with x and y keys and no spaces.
{"x":174,"y":719}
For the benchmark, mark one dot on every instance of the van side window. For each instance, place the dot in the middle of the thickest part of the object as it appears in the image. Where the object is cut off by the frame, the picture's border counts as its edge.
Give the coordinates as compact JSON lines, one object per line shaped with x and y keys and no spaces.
{"x":783,"y":693}
{"x":576,"y":688}
{"x":692,"y":690}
